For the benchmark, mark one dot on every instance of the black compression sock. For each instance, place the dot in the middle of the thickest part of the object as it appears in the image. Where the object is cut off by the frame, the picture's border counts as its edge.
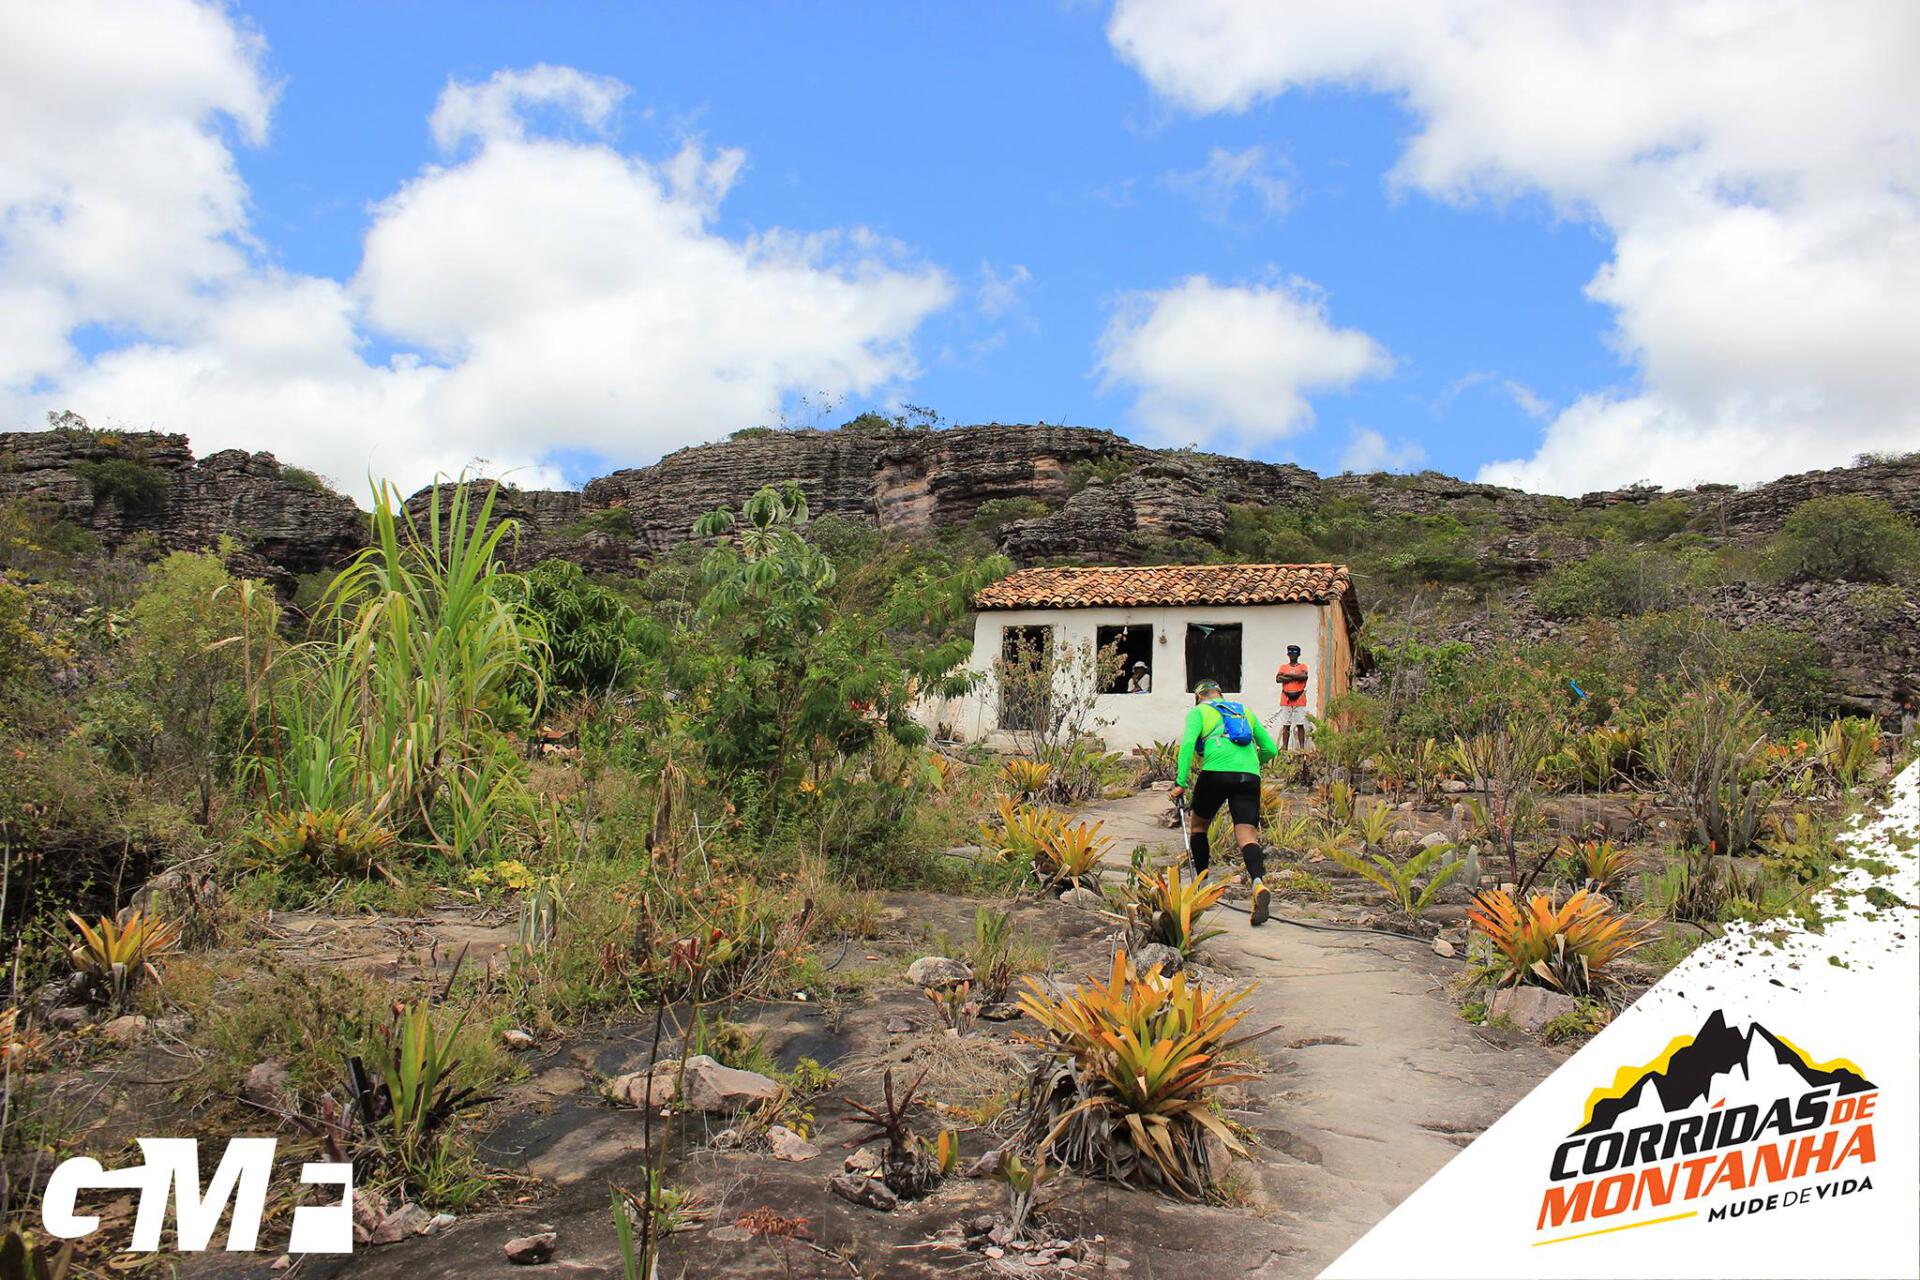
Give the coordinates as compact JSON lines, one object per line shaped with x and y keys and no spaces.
{"x":1256,"y":859}
{"x":1202,"y":855}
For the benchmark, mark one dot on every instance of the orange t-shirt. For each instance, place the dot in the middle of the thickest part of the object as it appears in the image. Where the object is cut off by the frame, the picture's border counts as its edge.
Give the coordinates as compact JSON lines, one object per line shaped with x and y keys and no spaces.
{"x":1293,"y":681}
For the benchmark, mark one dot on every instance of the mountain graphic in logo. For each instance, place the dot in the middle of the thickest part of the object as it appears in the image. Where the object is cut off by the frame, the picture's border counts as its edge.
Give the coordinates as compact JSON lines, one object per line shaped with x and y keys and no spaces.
{"x":1684,"y":1072}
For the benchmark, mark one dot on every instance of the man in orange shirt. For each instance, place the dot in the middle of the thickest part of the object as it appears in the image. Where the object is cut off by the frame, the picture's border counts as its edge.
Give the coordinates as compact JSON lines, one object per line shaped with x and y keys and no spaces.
{"x":1292,"y":679}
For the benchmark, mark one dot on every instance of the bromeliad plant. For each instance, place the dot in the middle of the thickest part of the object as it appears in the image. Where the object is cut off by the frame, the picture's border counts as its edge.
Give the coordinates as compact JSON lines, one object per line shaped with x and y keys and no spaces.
{"x":1376,"y":828}
{"x":1598,"y":865}
{"x":1026,"y":778}
{"x":1401,"y":881}
{"x":1162,"y":759}
{"x":1023,"y":1187}
{"x":992,"y":957}
{"x":1022,"y":833}
{"x":115,"y":953}
{"x":1070,"y":854}
{"x":1711,"y":753}
{"x":330,"y":842}
{"x":1846,"y":747}
{"x":909,"y":1169}
{"x":412,"y":1095}
{"x":1566,"y":946}
{"x":1166,"y":908}
{"x":1126,"y":1090}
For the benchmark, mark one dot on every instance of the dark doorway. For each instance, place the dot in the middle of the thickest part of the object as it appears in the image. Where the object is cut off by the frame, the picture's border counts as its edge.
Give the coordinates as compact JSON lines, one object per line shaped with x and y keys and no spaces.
{"x":1213,"y":653}
{"x":1025,"y":678}
{"x":1133,"y":644}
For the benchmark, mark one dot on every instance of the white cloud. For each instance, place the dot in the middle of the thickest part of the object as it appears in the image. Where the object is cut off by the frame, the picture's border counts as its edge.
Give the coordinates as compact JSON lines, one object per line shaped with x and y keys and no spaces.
{"x":1524,"y":397}
{"x":119,"y":200}
{"x":1231,"y":364}
{"x":1529,"y":401}
{"x":1368,"y":450}
{"x":1219,"y":186}
{"x":1002,"y":292}
{"x":1756,"y":163}
{"x":541,"y":291}
{"x":498,"y":108}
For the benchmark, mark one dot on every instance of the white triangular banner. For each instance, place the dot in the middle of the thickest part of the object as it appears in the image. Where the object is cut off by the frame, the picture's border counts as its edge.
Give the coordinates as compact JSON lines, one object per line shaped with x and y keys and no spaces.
{"x":1756,"y":1113}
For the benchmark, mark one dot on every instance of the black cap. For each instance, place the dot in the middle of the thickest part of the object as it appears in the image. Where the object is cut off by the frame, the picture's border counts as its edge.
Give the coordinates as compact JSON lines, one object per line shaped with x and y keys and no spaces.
{"x":1293,"y":648}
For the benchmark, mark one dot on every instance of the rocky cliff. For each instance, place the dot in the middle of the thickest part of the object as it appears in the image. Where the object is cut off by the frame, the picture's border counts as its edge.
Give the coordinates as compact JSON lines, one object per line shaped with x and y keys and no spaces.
{"x":1088,"y":493}
{"x":1063,"y":493}
{"x":122,"y":486}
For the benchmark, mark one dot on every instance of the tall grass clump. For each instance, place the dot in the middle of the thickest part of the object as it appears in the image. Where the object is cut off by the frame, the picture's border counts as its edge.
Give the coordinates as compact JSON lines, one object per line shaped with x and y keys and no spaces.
{"x":395,"y":711}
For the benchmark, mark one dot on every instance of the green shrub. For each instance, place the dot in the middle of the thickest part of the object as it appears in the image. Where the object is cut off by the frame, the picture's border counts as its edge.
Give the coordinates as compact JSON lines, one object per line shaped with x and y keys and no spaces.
{"x":193,"y":635}
{"x":34,"y":537}
{"x":304,"y":480}
{"x":140,"y":489}
{"x":1845,"y":537}
{"x":607,"y":522}
{"x":1654,"y":520}
{"x":1098,"y":470}
{"x":1613,"y":582}
{"x":595,"y":641}
{"x":995,"y":514}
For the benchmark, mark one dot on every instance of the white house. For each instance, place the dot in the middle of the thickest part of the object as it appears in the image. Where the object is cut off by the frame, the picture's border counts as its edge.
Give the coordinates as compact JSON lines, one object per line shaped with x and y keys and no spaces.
{"x":1227,"y":622}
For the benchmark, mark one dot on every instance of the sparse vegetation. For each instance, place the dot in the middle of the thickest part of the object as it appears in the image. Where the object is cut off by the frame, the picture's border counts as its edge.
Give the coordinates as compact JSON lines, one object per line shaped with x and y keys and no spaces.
{"x":137,"y":488}
{"x":499,"y":816}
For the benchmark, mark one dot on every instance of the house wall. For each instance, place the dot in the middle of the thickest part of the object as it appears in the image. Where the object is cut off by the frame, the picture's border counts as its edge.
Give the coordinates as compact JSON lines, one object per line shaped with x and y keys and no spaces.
{"x":1139,"y":719}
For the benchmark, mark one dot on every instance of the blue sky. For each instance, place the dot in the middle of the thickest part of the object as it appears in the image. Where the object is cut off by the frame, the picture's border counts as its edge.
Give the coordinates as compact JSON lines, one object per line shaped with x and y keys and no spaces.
{"x":1015,"y":142}
{"x":1272,"y":233}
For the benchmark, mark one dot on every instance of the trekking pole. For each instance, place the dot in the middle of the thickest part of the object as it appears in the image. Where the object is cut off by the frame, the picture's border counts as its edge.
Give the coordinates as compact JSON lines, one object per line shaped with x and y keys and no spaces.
{"x":1186,"y":834}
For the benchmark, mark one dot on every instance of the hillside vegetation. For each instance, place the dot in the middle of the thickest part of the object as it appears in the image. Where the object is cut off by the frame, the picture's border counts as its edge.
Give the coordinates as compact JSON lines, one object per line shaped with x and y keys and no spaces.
{"x":374,"y":859}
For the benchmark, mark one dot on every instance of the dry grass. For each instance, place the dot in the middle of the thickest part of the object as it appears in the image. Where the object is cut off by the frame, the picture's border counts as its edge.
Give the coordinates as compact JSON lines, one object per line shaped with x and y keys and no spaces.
{"x":966,"y":1077}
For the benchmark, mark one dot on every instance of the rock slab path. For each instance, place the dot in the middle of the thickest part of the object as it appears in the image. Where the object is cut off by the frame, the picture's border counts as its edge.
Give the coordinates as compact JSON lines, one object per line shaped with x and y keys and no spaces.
{"x":1375,"y":1080}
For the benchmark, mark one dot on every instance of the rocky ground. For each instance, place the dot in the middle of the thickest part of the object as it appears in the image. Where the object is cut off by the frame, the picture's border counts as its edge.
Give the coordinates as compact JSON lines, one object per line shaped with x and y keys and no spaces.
{"x":1369,"y":1080}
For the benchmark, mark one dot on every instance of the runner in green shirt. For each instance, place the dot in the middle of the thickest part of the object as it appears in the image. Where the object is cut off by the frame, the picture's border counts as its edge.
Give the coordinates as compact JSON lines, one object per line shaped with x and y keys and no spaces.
{"x":1227,"y":772}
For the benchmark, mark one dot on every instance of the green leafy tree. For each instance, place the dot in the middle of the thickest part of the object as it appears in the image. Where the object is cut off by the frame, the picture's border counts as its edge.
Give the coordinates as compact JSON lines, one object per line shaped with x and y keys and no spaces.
{"x":188,"y":640}
{"x":786,"y":675}
{"x":138,"y":487}
{"x":1848,"y":537}
{"x":596,"y":643}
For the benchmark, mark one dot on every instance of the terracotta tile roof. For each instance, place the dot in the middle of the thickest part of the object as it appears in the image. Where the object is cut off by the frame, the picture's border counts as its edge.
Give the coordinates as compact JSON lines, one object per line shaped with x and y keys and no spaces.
{"x":1076,"y":587}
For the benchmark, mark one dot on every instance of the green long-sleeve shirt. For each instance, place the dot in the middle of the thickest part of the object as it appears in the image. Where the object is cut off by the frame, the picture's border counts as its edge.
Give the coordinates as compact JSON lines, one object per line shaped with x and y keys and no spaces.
{"x":1220,"y":754}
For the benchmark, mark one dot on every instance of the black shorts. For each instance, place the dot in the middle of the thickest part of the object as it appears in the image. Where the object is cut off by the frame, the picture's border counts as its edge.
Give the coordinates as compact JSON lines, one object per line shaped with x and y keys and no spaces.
{"x":1240,"y":792}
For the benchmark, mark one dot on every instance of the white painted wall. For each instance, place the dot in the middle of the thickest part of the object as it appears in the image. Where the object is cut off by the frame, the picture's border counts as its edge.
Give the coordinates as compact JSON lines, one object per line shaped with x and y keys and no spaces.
{"x":1139,"y":719}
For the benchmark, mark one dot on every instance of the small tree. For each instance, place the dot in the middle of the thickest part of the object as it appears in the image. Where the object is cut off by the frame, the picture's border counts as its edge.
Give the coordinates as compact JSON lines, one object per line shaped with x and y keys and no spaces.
{"x":193,"y":630}
{"x":1846,"y":537}
{"x":595,"y":641}
{"x":784,"y":677}
{"x":1054,"y":690}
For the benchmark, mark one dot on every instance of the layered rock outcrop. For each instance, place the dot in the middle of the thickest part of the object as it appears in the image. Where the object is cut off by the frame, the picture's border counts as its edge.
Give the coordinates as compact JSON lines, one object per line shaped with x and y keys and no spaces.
{"x":123,"y":485}
{"x":1097,"y":494}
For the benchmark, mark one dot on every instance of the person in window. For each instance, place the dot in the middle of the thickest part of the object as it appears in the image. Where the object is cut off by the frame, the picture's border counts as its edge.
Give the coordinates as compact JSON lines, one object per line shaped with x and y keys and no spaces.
{"x":1225,"y":772}
{"x":1292,"y":679}
{"x":1138,"y":681}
